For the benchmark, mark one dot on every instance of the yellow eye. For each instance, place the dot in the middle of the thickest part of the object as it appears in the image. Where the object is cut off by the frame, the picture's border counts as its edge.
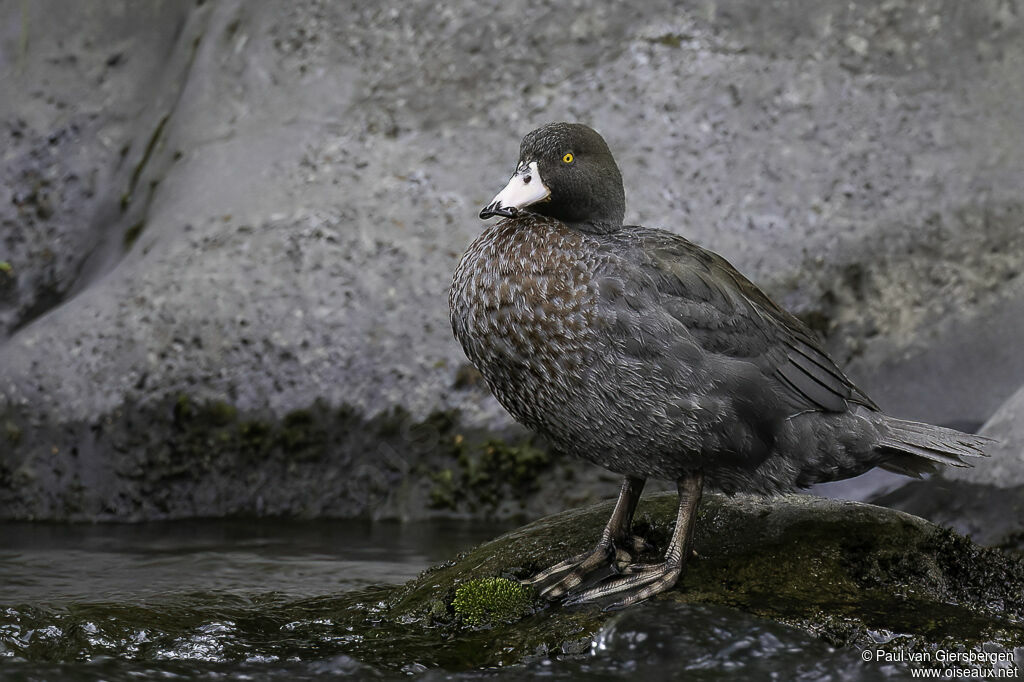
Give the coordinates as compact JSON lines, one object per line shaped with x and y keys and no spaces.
{"x":567,"y":158}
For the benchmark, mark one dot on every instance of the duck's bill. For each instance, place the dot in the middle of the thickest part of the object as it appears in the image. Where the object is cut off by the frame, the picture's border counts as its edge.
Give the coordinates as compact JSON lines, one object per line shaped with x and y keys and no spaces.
{"x":524,"y":189}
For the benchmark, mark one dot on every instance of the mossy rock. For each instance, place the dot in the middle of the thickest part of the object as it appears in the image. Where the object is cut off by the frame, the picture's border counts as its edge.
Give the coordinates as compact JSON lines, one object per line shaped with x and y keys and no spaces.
{"x":851,"y":573}
{"x":487,"y":474}
{"x":856,"y":575}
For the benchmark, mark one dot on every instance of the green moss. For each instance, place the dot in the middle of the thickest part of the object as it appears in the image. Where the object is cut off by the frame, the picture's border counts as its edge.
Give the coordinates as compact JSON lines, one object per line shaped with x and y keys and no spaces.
{"x":518,"y":465}
{"x":504,"y":471}
{"x":426,"y":458}
{"x":207,"y":435}
{"x":182,"y":408}
{"x":389,"y":422}
{"x":147,"y":154}
{"x":484,"y":601}
{"x":487,"y":474}
{"x":301,"y":437}
{"x":12,"y":432}
{"x":221,"y":413}
{"x":668,"y":40}
{"x":132,"y":234}
{"x":255,"y":438}
{"x":467,"y":376}
{"x":443,"y":494}
{"x":6,"y":268}
{"x":213,"y":433}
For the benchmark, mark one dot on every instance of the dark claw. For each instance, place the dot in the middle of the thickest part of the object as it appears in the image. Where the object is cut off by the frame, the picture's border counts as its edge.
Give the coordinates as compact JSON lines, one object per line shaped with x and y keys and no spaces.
{"x":495,"y":209}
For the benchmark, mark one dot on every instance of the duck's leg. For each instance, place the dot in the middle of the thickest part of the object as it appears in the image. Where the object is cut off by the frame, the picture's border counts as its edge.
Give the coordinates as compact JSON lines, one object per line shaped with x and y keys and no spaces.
{"x":642,"y":581}
{"x":562,"y":577}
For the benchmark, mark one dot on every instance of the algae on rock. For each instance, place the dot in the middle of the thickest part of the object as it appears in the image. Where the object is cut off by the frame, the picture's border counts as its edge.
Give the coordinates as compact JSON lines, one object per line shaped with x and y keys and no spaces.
{"x":853,"y":574}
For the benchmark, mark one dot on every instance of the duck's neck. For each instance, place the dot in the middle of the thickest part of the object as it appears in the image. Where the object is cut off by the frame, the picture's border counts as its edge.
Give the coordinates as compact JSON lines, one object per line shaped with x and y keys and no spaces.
{"x":595,"y":217}
{"x":596,"y":227}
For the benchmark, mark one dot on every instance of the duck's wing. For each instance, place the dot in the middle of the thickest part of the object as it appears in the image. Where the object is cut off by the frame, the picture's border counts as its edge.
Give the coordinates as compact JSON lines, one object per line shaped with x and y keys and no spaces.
{"x":726,"y":314}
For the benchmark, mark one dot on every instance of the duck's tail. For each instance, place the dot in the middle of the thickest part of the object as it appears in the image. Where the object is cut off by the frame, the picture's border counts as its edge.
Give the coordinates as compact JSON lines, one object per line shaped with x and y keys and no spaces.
{"x":919,"y":448}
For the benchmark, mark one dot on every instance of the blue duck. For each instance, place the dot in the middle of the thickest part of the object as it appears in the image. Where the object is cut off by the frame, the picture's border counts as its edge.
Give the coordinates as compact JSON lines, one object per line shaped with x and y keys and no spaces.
{"x":643,"y":353}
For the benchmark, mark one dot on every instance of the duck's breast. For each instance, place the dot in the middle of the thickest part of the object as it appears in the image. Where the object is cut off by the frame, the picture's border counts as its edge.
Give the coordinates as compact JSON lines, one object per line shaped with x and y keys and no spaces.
{"x":522,"y":301}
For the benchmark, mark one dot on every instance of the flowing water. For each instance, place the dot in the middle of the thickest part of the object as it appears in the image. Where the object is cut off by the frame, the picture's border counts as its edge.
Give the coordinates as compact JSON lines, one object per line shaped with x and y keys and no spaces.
{"x":252,"y":600}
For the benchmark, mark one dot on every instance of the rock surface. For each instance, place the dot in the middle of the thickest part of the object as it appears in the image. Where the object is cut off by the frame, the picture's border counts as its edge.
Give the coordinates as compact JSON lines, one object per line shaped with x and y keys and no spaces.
{"x":854,"y":574}
{"x":1005,"y":466}
{"x":857,"y":576}
{"x":259,"y":207}
{"x":986,"y":501}
{"x":77,"y":86}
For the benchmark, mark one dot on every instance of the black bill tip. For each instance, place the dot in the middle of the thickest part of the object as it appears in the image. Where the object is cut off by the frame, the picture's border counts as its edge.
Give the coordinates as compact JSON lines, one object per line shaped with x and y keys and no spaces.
{"x":497,"y":209}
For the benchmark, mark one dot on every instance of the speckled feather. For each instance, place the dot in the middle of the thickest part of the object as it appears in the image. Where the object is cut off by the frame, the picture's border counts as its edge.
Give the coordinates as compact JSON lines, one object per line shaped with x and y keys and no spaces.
{"x":623,"y":350}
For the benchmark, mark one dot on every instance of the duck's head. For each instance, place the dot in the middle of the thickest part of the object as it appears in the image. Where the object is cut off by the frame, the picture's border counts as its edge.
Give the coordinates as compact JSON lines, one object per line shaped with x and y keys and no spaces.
{"x":567,"y":172}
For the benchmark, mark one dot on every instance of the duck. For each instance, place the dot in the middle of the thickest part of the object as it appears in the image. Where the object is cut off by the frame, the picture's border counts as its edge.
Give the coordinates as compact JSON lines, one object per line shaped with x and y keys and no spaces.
{"x":641,"y":352}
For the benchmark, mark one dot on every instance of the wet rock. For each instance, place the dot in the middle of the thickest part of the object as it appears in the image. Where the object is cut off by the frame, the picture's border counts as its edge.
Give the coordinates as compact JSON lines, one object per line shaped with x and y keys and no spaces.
{"x":300,"y":182}
{"x":856,"y":576}
{"x":986,"y":501}
{"x":317,"y":461}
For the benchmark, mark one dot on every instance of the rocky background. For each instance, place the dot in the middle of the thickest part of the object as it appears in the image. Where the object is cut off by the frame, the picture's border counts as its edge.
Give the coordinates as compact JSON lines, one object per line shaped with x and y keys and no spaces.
{"x":227,"y":231}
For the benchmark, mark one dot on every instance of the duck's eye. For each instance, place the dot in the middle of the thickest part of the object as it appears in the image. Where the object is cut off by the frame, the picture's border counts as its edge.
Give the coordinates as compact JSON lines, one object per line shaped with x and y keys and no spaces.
{"x":567,"y":158}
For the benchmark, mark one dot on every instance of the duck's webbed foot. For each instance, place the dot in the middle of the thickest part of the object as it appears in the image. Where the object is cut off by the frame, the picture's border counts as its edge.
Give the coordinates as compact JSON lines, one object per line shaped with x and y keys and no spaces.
{"x":604,"y":561}
{"x":641,"y":581}
{"x":616,"y":546}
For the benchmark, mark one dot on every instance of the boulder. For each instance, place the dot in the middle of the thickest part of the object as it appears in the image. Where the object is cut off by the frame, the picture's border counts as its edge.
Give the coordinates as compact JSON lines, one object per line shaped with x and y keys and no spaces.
{"x":1005,"y":466}
{"x":282,"y":192}
{"x":985,"y":501}
{"x":79,"y":91}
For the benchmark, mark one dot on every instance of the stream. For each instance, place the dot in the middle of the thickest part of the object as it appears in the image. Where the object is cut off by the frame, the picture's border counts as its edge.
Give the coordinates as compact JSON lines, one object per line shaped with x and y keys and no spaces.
{"x":252,"y":599}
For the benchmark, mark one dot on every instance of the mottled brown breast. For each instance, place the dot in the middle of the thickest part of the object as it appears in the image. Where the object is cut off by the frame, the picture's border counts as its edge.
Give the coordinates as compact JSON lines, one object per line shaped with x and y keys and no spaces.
{"x":522,"y":301}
